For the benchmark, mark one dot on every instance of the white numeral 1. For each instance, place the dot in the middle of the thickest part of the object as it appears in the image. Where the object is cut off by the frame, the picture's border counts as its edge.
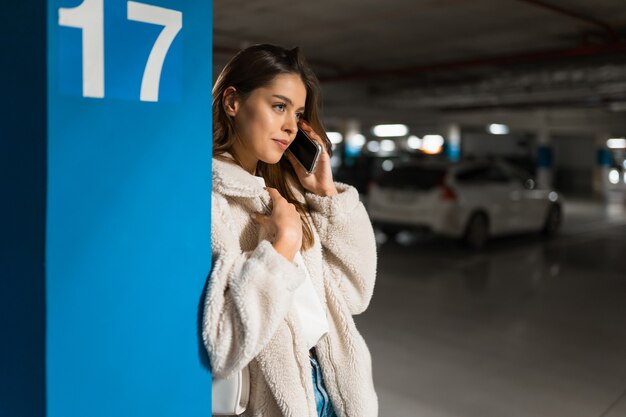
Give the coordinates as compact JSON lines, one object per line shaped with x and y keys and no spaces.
{"x":172,"y":20}
{"x":89,"y":16}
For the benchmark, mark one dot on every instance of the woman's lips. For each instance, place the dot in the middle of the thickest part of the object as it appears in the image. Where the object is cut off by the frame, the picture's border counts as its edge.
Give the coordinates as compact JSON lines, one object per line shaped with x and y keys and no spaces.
{"x":284,"y":144}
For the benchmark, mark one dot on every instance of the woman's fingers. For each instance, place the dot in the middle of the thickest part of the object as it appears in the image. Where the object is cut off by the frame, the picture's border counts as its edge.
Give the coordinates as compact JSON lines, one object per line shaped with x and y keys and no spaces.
{"x":284,"y":222}
{"x":278,"y":201}
{"x":281,"y":204}
{"x":274,"y":194}
{"x":260,"y":218}
{"x":308,"y":130}
{"x":300,"y":171}
{"x":312,"y":134}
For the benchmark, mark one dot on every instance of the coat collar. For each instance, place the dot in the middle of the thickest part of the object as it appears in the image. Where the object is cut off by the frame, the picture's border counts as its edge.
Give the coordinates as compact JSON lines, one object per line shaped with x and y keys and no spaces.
{"x":230,"y":179}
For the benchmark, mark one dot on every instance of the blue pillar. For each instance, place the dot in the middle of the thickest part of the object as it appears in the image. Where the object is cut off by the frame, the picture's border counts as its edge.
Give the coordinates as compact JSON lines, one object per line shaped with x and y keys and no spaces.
{"x":603,"y":166}
{"x":545,"y":159}
{"x":107,"y":148}
{"x":453,"y":142}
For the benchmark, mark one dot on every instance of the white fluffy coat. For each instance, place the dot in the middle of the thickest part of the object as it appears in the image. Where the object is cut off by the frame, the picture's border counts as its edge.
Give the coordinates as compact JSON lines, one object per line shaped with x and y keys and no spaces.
{"x":249,"y":317}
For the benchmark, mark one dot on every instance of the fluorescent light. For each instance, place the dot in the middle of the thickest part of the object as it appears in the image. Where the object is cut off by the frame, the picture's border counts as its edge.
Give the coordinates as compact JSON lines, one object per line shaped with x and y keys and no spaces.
{"x":387,"y":145}
{"x":414,"y":142}
{"x":390,"y":131}
{"x":498,"y":129}
{"x":432,"y":143}
{"x":614,"y":176}
{"x":373,"y":146}
{"x":616,"y":143}
{"x":357,"y":140}
{"x":334,"y":137}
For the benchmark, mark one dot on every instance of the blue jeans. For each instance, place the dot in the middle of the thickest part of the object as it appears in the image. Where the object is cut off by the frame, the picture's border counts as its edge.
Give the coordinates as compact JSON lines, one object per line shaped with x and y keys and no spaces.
{"x":324,"y":406}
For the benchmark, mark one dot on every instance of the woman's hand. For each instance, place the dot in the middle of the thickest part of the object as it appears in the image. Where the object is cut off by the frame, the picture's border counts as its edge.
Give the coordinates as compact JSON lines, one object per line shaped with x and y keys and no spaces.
{"x":284,"y":225}
{"x":320,"y":181}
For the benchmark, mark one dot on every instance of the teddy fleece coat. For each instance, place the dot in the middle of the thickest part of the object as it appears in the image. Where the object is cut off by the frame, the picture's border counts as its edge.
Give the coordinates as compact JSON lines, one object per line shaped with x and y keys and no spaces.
{"x":250,"y":319}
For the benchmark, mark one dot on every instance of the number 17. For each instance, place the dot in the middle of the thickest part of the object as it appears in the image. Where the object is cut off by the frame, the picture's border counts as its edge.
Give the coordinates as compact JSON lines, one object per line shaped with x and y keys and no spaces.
{"x":89,"y":16}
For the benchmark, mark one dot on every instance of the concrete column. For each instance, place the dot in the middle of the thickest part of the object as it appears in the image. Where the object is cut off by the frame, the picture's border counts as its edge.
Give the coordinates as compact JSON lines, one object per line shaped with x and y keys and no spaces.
{"x":603,"y":165}
{"x":545,"y":160}
{"x":351,"y":130}
{"x":453,"y":137}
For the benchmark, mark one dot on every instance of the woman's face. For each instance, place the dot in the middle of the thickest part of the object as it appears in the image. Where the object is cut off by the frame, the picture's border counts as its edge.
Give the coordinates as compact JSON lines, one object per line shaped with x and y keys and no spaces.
{"x":267,"y":120}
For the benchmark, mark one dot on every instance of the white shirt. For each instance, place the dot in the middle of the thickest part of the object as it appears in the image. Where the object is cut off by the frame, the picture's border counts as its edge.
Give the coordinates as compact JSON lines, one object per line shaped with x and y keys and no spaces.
{"x":308,"y":305}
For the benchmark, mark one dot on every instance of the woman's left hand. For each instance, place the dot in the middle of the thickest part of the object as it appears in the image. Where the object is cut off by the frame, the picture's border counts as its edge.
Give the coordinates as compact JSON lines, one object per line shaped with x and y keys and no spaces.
{"x":320,"y":181}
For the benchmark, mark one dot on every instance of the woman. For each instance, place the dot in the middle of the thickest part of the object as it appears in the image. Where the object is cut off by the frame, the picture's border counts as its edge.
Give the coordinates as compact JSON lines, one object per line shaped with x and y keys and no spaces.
{"x":294,"y":255}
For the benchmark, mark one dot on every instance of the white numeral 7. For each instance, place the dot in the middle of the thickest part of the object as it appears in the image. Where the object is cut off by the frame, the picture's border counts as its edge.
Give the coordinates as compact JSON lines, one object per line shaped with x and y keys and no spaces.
{"x":172,"y":20}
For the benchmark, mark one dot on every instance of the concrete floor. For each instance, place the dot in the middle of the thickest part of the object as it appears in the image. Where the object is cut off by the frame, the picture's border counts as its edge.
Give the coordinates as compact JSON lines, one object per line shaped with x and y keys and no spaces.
{"x":528,"y":327}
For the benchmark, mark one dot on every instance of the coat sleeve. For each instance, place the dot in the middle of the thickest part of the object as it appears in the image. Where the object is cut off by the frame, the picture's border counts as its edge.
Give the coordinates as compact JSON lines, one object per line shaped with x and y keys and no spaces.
{"x":348,"y":242}
{"x":248,"y":295}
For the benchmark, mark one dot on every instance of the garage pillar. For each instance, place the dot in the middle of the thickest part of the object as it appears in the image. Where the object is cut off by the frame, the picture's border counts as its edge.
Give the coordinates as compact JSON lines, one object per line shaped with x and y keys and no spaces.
{"x":544,"y":158}
{"x":453,"y":137}
{"x":106,"y":167}
{"x":353,"y":140}
{"x":602,"y":167}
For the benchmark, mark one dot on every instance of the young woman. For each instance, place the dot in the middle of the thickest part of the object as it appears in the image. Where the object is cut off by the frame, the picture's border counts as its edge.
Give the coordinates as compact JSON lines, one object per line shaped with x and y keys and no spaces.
{"x":294,"y":255}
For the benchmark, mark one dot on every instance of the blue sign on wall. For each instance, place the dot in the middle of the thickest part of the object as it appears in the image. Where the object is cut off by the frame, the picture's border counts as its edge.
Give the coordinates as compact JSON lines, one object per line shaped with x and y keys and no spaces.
{"x":128,"y":213}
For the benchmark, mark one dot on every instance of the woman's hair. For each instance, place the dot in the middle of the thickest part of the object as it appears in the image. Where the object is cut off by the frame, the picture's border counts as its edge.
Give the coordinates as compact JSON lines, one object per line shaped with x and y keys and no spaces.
{"x":256,"y":67}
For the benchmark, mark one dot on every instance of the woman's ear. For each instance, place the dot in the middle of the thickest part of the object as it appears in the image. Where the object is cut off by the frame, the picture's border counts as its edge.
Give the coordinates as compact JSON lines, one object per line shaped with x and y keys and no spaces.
{"x":230,"y":98}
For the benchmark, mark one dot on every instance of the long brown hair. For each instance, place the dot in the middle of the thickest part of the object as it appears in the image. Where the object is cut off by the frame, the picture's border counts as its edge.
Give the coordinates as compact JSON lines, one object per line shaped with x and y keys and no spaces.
{"x":256,"y":67}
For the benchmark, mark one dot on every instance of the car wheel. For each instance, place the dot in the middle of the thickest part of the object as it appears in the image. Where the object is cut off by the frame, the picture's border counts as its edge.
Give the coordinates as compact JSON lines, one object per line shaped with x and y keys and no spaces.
{"x":476,"y":231}
{"x":553,"y":221}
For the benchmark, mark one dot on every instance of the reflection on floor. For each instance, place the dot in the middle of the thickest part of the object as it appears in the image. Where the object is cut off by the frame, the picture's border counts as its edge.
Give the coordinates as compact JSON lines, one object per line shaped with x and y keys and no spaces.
{"x":528,"y":327}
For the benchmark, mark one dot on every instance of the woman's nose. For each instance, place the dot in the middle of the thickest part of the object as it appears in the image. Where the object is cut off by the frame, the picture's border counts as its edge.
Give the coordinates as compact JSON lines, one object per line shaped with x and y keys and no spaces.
{"x":290,"y":124}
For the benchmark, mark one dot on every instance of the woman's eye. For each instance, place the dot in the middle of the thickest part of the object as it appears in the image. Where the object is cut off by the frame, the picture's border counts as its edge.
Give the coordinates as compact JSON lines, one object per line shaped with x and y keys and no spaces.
{"x":299,"y":116}
{"x":280,"y":107}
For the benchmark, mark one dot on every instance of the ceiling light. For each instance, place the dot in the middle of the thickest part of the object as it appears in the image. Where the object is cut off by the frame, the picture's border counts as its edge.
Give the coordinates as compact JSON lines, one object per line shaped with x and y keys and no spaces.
{"x":616,"y":143}
{"x":389,"y":131}
{"x":334,"y":137}
{"x":387,"y":145}
{"x":432,"y":143}
{"x":357,"y":140}
{"x":498,"y":129}
{"x":414,"y":142}
{"x":373,"y":146}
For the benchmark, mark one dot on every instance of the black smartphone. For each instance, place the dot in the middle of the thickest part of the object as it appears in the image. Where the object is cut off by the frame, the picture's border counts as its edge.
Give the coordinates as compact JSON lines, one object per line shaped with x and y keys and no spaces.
{"x":305,"y":150}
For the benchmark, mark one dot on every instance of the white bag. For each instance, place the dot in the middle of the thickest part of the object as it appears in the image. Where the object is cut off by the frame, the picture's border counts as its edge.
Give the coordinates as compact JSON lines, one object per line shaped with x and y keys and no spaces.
{"x":230,"y":395}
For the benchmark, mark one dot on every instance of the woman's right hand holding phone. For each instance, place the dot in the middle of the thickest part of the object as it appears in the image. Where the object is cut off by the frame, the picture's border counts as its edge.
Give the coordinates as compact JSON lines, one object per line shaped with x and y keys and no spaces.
{"x":284,"y":225}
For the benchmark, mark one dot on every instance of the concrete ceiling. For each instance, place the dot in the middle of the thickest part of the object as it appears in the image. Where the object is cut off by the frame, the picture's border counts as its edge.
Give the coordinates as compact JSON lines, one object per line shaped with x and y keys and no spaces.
{"x":431,"y":60}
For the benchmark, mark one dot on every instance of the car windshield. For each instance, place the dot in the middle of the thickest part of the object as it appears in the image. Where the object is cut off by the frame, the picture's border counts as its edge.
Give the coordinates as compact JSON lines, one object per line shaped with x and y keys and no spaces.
{"x":413,"y":178}
{"x":482,"y":174}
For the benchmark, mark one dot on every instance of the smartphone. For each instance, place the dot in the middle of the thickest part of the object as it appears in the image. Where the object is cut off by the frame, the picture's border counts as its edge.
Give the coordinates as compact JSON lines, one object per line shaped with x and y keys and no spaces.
{"x":305,"y":150}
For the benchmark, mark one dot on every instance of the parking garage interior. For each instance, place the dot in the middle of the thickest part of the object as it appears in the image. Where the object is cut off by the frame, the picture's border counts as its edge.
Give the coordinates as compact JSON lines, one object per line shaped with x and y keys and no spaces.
{"x":486,"y":139}
{"x":527,"y":325}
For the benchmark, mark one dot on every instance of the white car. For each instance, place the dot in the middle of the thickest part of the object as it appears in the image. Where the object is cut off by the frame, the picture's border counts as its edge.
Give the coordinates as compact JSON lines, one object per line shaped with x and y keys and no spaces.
{"x":469,"y":200}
